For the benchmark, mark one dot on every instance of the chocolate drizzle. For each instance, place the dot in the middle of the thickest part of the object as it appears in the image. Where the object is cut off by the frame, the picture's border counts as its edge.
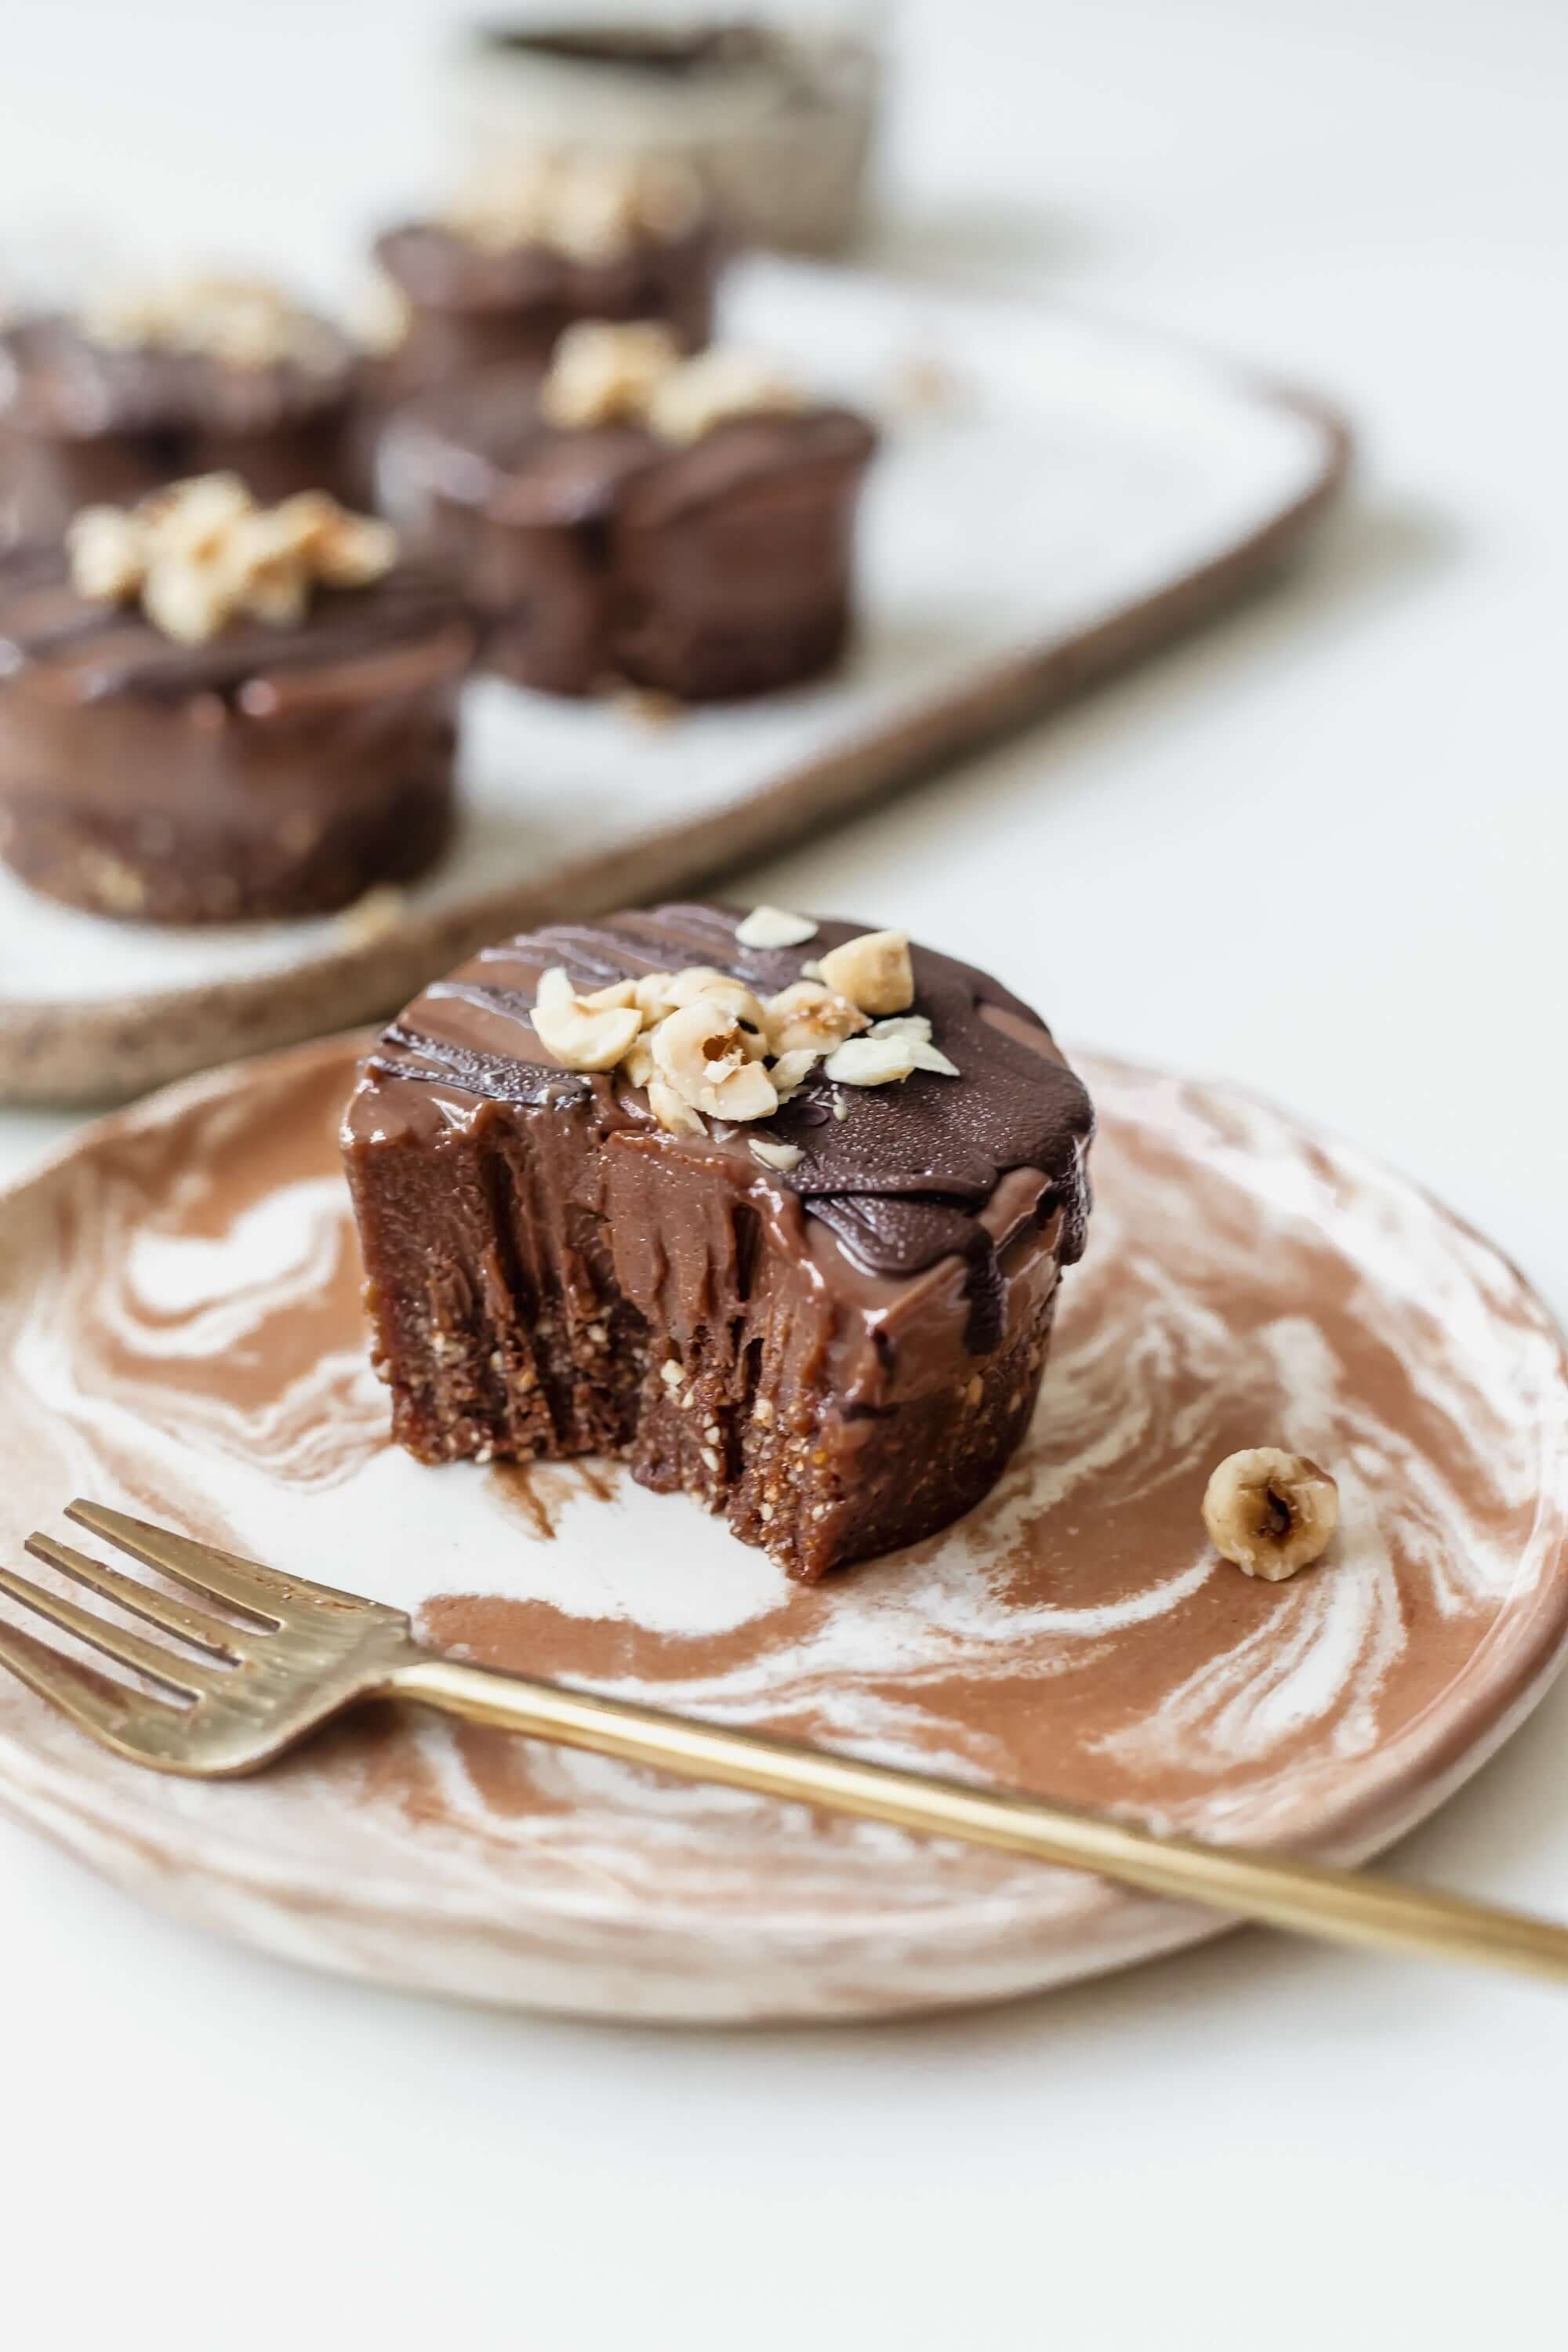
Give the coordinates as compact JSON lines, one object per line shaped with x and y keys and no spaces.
{"x":483,"y":444}
{"x":438,"y":267}
{"x":95,"y":649}
{"x":901,"y":1180}
{"x":55,"y":380}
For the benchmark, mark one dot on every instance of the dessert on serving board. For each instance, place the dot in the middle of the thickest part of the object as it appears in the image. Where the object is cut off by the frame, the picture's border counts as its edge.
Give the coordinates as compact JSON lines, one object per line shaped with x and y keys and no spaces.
{"x":155,"y":383}
{"x":635,"y":518}
{"x":212,"y":712}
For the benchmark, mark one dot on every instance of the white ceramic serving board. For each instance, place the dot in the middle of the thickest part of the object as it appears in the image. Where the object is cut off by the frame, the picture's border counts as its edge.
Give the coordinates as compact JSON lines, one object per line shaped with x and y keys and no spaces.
{"x":1054,"y":495}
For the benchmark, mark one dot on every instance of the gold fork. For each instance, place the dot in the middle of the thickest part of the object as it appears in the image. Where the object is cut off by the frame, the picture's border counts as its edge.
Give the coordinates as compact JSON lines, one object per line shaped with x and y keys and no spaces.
{"x":304,"y":1652}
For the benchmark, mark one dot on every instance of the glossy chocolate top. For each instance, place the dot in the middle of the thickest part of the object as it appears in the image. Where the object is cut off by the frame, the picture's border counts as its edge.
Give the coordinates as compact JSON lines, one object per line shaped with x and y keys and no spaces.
{"x":900,"y":1179}
{"x":54,"y":380}
{"x":484,"y":444}
{"x":79,"y":650}
{"x":439,"y":269}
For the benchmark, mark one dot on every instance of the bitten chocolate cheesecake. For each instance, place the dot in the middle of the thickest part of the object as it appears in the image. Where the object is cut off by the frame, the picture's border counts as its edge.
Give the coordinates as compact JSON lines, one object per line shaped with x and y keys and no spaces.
{"x":212,"y":711}
{"x":684,"y":525}
{"x":514,"y":263}
{"x":213,"y":374}
{"x":773,"y":1209}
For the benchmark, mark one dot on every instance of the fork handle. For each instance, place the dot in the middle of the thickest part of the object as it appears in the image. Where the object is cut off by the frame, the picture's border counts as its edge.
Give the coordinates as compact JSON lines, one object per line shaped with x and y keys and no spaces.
{"x":1311,"y":1898}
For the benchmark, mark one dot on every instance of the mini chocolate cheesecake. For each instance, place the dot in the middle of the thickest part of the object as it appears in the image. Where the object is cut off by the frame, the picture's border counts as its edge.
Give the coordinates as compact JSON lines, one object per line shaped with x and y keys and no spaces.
{"x":210,"y":377}
{"x":510,"y":268}
{"x":648,"y":1188}
{"x":687,"y":526}
{"x":255,"y":719}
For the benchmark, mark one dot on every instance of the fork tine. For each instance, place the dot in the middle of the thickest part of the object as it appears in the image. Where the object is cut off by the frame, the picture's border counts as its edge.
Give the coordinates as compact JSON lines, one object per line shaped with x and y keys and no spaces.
{"x":244,"y":1584}
{"x":149,"y":1658}
{"x":247,"y":1584}
{"x":142,"y":1599}
{"x":90,"y":1701}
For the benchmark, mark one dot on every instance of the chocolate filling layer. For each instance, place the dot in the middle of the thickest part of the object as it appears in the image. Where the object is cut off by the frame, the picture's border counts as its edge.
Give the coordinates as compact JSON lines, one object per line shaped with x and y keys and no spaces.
{"x":899,"y":1181}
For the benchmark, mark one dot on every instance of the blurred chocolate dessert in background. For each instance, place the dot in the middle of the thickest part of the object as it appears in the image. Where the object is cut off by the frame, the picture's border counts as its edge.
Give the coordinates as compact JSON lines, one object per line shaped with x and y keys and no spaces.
{"x":212,"y":712}
{"x":682,"y":525}
{"x":156,"y":383}
{"x":531,"y":247}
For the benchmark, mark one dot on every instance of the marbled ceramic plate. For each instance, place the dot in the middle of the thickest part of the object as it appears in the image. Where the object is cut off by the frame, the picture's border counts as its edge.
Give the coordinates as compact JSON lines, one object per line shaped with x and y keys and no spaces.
{"x":179,"y":1333}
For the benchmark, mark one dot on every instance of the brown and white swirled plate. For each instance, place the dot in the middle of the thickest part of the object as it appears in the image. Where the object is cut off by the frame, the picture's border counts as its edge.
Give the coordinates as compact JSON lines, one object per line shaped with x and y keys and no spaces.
{"x":179,"y":1333}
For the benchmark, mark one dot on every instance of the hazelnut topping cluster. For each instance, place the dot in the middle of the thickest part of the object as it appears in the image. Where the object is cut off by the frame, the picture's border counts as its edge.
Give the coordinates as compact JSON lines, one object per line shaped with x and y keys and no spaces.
{"x":202,"y":552}
{"x":705,"y":1046}
{"x":589,"y":207}
{"x":243,"y":322}
{"x":605,"y":374}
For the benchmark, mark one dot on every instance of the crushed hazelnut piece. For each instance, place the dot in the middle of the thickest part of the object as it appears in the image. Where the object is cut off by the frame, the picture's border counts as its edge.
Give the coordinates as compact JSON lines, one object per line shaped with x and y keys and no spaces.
{"x":670,"y":1373}
{"x":577,"y":1034}
{"x":707,"y":390}
{"x":1270,"y":1512}
{"x":189,"y":521}
{"x":638,"y":1066}
{"x":619,"y":994}
{"x":913,"y":1031}
{"x":676,"y":1116}
{"x":807,"y":1017}
{"x":684,"y":987}
{"x":792,"y":1069}
{"x":199,"y":552}
{"x":108,"y":553}
{"x":604,"y":374}
{"x":703,"y":1052}
{"x":699,"y":986}
{"x":187,"y":601}
{"x":592,"y":206}
{"x":869,"y":1061}
{"x":652,"y":996}
{"x":873,"y":971}
{"x":781,"y":1156}
{"x":774,"y":927}
{"x":241,"y":322}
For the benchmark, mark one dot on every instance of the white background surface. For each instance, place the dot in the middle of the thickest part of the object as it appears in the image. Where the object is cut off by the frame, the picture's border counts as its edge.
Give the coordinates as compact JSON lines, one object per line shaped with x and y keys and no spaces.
{"x":1321,"y":850}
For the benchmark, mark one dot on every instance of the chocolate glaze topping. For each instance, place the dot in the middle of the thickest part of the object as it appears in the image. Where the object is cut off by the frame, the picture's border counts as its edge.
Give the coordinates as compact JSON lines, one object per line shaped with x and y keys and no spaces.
{"x":54,"y":380}
{"x":89,"y":649}
{"x":901,"y":1180}
{"x":484,"y":444}
{"x":441,"y":268}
